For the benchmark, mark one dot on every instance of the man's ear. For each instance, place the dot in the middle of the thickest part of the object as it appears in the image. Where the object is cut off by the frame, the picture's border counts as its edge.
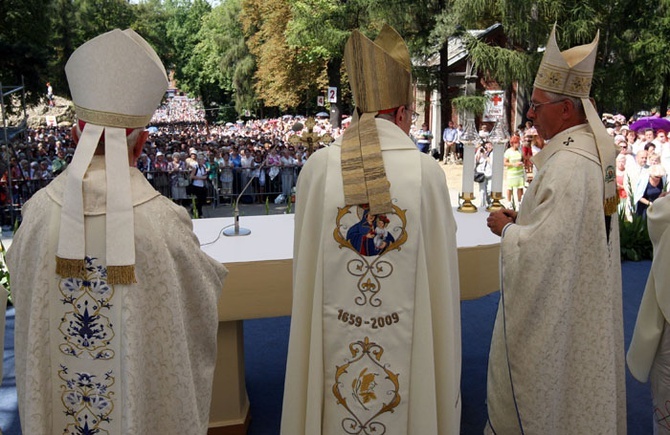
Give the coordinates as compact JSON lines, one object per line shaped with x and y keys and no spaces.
{"x":75,"y":136}
{"x":139,"y":145}
{"x":401,"y":114}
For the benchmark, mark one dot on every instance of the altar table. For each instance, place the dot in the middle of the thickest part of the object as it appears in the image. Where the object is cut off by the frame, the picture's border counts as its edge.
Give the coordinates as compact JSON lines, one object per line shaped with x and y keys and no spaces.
{"x":259,"y":285}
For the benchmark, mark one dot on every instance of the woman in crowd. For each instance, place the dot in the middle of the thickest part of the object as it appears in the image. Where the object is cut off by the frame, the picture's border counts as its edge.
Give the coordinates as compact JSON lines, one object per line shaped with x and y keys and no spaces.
{"x":198,"y":187}
{"x":259,"y":177}
{"x":649,"y":187}
{"x":179,"y":178}
{"x":287,"y":175}
{"x":226,"y":177}
{"x":161,"y":181}
{"x":246,"y":162}
{"x":513,"y":162}
{"x":483,"y":164}
{"x":274,"y":163}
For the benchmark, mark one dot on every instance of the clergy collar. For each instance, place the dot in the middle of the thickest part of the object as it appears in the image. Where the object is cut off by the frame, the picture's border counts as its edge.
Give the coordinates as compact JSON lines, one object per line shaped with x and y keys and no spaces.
{"x":556,"y":143}
{"x":95,"y":187}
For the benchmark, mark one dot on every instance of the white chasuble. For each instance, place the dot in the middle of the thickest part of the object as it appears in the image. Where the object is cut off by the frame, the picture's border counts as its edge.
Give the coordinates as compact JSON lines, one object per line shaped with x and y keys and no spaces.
{"x":375,"y":327}
{"x":368,"y":312}
{"x":86,"y":330}
{"x":556,"y":364}
{"x":114,"y":359}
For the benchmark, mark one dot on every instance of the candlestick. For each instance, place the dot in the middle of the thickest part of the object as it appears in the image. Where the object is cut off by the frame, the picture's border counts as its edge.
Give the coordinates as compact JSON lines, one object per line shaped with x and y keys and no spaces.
{"x":499,"y":137}
{"x":470,"y":139}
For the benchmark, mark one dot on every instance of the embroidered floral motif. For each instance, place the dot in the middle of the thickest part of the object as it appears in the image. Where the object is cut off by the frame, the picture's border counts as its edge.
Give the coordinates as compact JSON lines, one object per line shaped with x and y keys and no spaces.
{"x":87,"y":402}
{"x":373,"y":381}
{"x":371,"y":237}
{"x":579,"y":85}
{"x":553,"y":79}
{"x":86,"y":329}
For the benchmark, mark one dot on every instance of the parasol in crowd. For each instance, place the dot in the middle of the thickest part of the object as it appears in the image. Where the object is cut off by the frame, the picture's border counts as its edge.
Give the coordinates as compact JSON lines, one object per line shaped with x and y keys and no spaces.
{"x":651,"y":122}
{"x":322,"y":115}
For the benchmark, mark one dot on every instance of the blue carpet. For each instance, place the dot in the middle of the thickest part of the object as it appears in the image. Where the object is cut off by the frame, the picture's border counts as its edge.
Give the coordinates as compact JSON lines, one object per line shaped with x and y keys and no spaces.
{"x":266,"y":343}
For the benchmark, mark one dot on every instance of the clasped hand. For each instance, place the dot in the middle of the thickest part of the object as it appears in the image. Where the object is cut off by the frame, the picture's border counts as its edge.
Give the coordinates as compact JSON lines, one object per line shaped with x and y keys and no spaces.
{"x":498,"y":219}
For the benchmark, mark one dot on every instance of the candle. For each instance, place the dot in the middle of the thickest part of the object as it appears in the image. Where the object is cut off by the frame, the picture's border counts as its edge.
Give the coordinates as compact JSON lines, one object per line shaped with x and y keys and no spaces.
{"x":498,"y":167}
{"x":468,"y":168}
{"x":470,"y":139}
{"x":499,"y":138}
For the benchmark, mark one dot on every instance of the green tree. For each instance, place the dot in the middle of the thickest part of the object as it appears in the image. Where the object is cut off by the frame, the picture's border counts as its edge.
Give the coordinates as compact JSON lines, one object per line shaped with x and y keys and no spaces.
{"x":63,"y":40}
{"x":203,"y":73}
{"x":236,"y":61}
{"x":284,"y":76}
{"x":24,"y":44}
{"x":150,"y":21}
{"x":94,"y":17}
{"x":321,"y":28}
{"x":638,"y":50}
{"x":630,"y":72}
{"x":184,"y":20}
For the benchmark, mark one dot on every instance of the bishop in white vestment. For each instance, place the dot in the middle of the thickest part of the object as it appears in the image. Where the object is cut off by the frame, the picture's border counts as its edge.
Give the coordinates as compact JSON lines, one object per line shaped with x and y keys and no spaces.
{"x":116,"y":305}
{"x":649,"y":353}
{"x":375,"y":328}
{"x":556,"y":361}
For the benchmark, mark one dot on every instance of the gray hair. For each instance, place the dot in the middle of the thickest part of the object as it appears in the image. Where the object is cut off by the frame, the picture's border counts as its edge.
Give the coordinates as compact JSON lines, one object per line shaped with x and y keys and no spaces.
{"x":576,"y":102}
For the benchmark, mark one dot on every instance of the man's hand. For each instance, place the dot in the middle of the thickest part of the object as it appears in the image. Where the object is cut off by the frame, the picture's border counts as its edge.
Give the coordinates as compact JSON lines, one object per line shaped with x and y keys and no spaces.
{"x":498,"y":219}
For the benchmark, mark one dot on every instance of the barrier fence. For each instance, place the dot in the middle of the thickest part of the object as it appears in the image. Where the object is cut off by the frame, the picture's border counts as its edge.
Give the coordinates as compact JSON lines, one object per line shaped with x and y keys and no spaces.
{"x":223,"y":187}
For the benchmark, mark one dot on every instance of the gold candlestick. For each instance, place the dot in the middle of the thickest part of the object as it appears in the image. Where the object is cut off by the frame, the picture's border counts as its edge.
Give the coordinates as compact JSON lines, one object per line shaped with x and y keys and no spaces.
{"x":467,"y":206}
{"x":496,"y":205}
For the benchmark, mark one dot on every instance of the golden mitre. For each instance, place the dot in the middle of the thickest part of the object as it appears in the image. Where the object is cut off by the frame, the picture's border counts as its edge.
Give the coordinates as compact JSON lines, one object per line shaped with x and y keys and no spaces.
{"x":379,"y":71}
{"x":380,"y":77}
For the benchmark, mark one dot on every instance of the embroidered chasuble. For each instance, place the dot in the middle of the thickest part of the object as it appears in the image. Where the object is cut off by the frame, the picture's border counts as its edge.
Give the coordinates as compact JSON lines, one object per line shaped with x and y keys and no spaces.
{"x":556,"y":364}
{"x":375,"y":328}
{"x":92,"y":357}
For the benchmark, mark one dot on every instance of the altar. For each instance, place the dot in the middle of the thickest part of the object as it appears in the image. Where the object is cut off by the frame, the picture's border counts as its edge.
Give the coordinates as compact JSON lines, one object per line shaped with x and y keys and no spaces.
{"x":259,"y":285}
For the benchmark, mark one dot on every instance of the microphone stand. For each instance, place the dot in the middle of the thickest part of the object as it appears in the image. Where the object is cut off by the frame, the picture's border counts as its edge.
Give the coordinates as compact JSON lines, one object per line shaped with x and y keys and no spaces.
{"x":235,"y":230}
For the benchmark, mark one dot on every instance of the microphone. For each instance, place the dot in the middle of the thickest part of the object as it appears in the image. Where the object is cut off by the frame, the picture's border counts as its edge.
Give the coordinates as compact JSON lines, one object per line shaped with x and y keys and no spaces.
{"x":235,"y":230}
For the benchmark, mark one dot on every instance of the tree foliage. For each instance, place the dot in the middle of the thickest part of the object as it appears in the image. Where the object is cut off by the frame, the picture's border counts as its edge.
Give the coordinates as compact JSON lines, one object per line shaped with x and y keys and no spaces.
{"x":630,"y":42}
{"x":25,"y":38}
{"x":271,"y":55}
{"x":285,"y":74}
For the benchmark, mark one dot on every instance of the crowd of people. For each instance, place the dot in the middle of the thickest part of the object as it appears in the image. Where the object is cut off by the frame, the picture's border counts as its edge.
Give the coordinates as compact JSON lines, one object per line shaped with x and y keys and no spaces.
{"x":642,"y":163}
{"x":260,"y":153}
{"x":184,"y":157}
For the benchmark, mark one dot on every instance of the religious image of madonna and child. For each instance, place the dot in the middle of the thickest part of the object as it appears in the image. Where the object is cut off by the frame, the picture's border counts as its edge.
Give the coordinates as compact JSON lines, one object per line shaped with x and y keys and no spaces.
{"x":370,"y":236}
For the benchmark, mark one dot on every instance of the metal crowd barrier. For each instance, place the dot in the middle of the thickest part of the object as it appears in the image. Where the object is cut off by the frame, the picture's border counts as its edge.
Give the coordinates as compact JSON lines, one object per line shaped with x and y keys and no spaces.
{"x":262,"y":188}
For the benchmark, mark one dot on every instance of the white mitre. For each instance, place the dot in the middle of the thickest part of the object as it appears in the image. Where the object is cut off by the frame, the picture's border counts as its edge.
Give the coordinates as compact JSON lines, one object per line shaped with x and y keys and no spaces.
{"x":117,"y":81}
{"x":570,"y":72}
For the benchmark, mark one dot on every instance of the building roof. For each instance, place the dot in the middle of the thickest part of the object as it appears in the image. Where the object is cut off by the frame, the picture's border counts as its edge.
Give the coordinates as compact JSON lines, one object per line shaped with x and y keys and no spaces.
{"x":457,"y":50}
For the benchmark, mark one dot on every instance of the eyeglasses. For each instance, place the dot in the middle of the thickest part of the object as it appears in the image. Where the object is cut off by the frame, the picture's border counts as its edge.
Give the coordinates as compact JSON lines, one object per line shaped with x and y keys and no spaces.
{"x":534,"y":105}
{"x":415,"y":115}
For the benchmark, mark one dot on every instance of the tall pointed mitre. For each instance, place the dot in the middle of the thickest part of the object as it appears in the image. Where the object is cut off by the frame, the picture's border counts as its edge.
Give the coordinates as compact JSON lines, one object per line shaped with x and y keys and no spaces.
{"x":117,"y":81}
{"x":570,"y":73}
{"x":380,"y":77}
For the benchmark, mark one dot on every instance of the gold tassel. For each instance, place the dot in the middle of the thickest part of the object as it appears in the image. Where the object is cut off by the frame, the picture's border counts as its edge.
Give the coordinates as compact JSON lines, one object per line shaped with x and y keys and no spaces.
{"x":611,"y":205}
{"x":69,"y":268}
{"x":121,"y":275}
